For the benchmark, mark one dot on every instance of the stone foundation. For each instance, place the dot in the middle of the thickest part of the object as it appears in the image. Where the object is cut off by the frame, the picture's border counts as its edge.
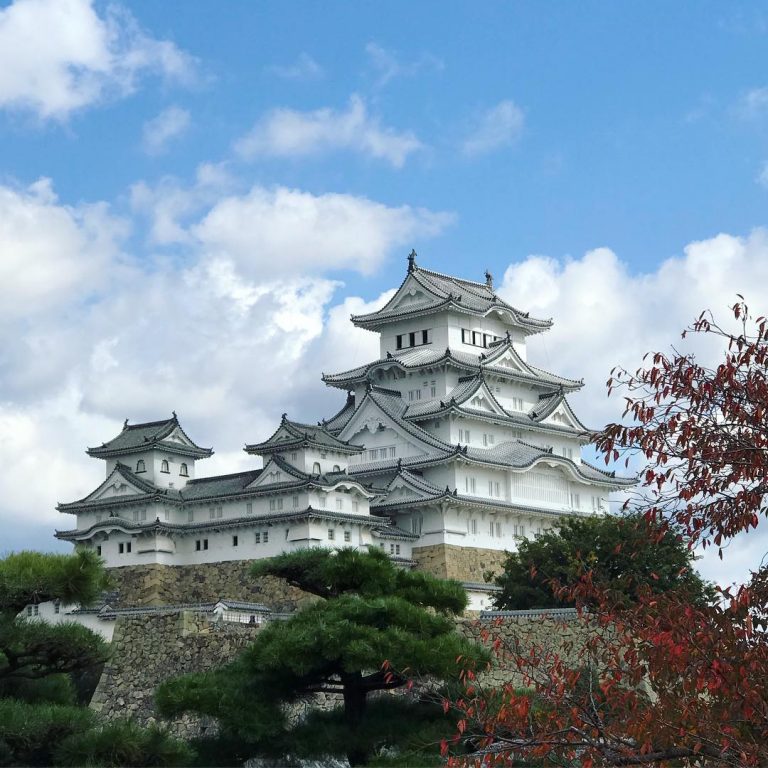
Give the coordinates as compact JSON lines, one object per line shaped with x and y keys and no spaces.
{"x":205,"y":583}
{"x":463,"y":563}
{"x":146,"y":650}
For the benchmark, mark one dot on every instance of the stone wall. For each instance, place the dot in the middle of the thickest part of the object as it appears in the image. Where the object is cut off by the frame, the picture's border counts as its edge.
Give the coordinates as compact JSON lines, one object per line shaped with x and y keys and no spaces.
{"x":148,"y":649}
{"x":138,"y":585}
{"x":463,"y":563}
{"x":540,"y":634}
{"x":151,"y":648}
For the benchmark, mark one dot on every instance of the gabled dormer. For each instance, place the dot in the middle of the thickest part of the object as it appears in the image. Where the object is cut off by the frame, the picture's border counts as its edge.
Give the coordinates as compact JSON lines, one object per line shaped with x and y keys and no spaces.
{"x":308,"y":447}
{"x":158,"y":452}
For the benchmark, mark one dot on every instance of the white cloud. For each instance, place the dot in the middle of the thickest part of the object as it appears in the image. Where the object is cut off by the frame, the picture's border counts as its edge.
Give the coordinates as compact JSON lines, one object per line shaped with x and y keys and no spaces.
{"x":227,"y":341}
{"x":289,"y":133}
{"x":274,"y":231}
{"x":160,"y":130}
{"x":171,"y":206}
{"x":304,"y":68}
{"x":498,"y":127}
{"x":59,"y":56}
{"x":389,"y":65}
{"x":51,"y":253}
{"x":606,"y":316}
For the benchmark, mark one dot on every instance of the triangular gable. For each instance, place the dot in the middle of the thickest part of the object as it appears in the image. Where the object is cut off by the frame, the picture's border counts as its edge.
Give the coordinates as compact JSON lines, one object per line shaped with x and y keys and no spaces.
{"x":177,"y":436}
{"x":410,"y":295}
{"x":508,"y":358}
{"x":404,"y":487}
{"x":562,"y":416}
{"x":370,"y":418}
{"x":275,"y":471}
{"x":484,"y":400}
{"x":117,"y":485}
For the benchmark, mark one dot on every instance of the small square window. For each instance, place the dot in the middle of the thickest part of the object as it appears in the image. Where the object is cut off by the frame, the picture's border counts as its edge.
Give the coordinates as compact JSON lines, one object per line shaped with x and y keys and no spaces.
{"x":339,"y":504}
{"x":331,"y":534}
{"x":295,"y":502}
{"x":57,"y":606}
{"x":249,"y":508}
{"x":265,"y":537}
{"x":397,"y":549}
{"x":258,"y":537}
{"x":347,"y":536}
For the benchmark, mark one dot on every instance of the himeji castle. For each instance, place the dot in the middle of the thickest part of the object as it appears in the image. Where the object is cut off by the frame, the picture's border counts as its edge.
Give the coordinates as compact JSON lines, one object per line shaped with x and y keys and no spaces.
{"x":449,"y":449}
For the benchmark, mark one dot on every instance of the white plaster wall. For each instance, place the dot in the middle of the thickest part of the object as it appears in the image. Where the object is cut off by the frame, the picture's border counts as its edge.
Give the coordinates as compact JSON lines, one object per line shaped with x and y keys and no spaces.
{"x":47,"y":613}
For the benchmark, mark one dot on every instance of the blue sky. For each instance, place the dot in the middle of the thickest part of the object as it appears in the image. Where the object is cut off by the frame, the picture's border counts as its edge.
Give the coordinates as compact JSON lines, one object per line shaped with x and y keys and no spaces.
{"x":190,"y":190}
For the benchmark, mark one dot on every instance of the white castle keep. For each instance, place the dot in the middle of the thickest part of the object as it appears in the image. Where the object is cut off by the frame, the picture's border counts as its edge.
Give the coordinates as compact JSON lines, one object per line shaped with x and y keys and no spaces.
{"x":449,"y":449}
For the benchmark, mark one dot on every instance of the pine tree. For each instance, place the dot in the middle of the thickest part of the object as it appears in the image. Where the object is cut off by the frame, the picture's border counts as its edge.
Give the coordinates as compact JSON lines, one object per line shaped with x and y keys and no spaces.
{"x":375,"y":627}
{"x":40,"y":722}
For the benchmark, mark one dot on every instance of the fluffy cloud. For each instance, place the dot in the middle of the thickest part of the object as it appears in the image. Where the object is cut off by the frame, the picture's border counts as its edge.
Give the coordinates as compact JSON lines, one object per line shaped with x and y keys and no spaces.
{"x":605,"y":316}
{"x":58,"y":56}
{"x":50,"y":253}
{"x":91,"y":337}
{"x":289,"y":133}
{"x":160,"y":130}
{"x":279,"y":230}
{"x":498,"y":127}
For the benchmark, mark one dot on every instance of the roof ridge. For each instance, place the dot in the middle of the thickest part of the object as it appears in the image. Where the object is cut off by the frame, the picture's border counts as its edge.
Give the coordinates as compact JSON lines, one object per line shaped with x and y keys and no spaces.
{"x":222,"y":477}
{"x":452,"y":278}
{"x":145,"y":424}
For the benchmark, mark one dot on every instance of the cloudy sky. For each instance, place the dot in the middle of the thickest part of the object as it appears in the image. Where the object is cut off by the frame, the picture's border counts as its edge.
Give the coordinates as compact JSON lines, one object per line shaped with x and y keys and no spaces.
{"x":194,"y":198}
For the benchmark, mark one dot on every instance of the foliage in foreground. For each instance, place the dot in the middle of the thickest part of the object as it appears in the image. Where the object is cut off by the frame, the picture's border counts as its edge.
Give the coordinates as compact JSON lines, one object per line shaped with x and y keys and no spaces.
{"x":46,"y":670}
{"x":372,"y":612}
{"x":622,"y":553}
{"x":662,"y":680}
{"x":123,"y":744}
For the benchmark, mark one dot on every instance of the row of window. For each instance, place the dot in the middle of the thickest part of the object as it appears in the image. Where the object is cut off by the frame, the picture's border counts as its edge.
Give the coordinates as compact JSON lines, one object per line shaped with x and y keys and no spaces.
{"x":413,"y":339}
{"x":323,"y":501}
{"x":495,"y":530}
{"x":332,"y":535}
{"x":164,"y":467}
{"x":465,"y":436}
{"x":394,"y":549}
{"x":375,"y":454}
{"x":478,"y":338}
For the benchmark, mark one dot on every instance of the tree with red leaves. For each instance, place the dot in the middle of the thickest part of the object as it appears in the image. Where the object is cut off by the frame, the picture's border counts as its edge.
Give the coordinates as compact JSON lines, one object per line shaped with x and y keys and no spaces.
{"x":659,"y":681}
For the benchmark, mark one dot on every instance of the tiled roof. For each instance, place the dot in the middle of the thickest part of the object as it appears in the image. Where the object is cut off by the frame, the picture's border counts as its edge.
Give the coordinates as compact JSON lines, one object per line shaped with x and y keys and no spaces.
{"x":149,"y":492}
{"x":421,"y":357}
{"x":219,"y":485}
{"x":293,"y":433}
{"x":394,"y":532}
{"x":337,"y":422}
{"x":443,"y":292}
{"x":150,"y":434}
{"x":221,"y":524}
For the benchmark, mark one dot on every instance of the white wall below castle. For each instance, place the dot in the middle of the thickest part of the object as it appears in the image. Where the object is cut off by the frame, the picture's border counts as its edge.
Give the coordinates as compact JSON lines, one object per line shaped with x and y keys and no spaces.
{"x":243,"y":543}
